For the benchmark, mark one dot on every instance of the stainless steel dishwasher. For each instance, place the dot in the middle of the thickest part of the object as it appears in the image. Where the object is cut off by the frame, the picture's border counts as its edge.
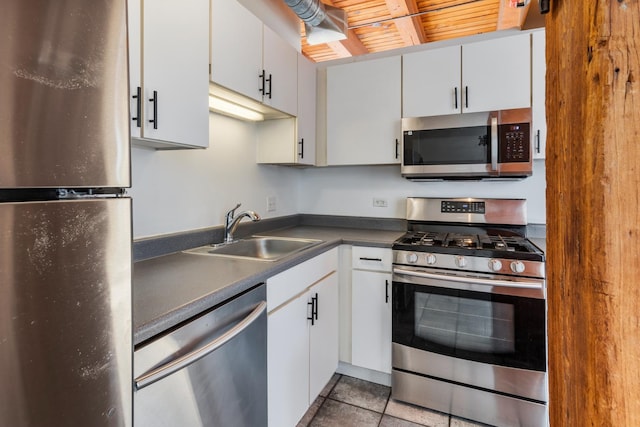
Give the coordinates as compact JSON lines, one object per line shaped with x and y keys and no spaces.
{"x":211,"y":371}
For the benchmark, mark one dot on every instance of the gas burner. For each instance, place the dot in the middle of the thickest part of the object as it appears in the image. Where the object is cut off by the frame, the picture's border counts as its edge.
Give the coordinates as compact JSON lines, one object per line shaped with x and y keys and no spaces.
{"x":463,"y":241}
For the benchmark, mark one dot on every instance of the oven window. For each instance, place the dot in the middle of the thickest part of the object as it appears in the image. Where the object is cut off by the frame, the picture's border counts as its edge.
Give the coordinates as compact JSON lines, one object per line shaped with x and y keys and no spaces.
{"x":465,"y":323}
{"x":468,"y":145}
{"x":490,"y":328}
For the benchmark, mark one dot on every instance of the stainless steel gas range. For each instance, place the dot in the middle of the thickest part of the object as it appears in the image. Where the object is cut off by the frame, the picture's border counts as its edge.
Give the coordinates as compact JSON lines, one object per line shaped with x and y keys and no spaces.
{"x":469,"y":312}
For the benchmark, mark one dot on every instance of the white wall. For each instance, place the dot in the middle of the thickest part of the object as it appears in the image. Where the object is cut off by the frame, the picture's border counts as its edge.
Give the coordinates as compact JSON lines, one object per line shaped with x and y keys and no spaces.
{"x":183,"y":190}
{"x":350,"y":191}
{"x":189,"y":189}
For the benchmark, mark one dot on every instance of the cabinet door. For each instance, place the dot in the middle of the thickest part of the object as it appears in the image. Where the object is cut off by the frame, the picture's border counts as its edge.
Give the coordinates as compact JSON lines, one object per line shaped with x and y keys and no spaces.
{"x":363,"y":112}
{"x":236,"y":48}
{"x":371,"y":320}
{"x":431,"y":82}
{"x":175,"y":69}
{"x":323,"y":340}
{"x":496,"y":74}
{"x":306,"y":143}
{"x":280,"y":62}
{"x":538,"y":84}
{"x":288,"y":362}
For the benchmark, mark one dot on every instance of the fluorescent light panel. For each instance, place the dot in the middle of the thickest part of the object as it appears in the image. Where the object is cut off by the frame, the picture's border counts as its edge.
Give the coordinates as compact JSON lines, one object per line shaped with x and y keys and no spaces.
{"x":228,"y":108}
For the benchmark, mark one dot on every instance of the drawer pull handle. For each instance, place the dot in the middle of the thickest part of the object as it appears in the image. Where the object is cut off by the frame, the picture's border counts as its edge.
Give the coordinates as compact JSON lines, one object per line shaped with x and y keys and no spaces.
{"x":386,"y":291}
{"x":370,"y":259}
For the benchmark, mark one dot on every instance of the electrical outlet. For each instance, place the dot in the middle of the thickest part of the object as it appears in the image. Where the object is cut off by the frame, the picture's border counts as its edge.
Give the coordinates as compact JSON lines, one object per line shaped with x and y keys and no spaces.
{"x":380,"y":203}
{"x":271,"y":204}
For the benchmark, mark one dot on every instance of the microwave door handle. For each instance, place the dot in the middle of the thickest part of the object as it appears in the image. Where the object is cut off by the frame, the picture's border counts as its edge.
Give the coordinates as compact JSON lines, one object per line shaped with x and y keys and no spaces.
{"x":494,"y":143}
{"x":473,"y":280}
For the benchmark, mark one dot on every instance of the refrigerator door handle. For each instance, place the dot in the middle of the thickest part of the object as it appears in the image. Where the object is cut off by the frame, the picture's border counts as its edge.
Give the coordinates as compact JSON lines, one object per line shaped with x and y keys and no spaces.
{"x":182,"y":362}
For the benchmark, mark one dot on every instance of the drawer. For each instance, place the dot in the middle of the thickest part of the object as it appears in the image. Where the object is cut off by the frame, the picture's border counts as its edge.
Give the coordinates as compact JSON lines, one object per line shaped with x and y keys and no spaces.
{"x":374,"y":259}
{"x":286,"y":285}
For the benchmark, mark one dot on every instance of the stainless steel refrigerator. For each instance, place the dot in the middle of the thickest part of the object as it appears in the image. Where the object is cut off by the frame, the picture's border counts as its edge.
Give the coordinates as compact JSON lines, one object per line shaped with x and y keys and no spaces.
{"x":65,"y":221}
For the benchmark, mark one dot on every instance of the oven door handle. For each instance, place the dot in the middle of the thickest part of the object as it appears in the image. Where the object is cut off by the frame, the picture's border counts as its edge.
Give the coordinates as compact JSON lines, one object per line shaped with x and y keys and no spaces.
{"x":474,"y":280}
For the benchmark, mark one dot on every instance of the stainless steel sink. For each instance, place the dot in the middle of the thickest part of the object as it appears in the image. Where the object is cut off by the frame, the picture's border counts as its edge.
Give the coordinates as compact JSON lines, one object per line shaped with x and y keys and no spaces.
{"x":260,"y":248}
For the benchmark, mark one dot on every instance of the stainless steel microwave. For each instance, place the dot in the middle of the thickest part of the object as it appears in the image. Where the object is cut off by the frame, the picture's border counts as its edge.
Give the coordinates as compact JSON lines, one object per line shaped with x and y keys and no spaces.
{"x":494,"y":144}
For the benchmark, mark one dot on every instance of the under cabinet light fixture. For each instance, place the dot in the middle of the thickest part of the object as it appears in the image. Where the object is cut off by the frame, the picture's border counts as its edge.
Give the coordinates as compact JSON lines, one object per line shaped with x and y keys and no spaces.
{"x":228,"y":108}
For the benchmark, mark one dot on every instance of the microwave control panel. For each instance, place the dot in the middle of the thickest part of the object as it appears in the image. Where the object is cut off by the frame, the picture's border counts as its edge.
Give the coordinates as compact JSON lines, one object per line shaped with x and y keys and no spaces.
{"x":515,"y":143}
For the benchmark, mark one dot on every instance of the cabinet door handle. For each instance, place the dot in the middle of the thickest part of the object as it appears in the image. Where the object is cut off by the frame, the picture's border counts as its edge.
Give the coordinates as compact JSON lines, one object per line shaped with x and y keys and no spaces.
{"x":386,"y":291}
{"x":397,"y":148}
{"x":455,"y":97}
{"x":370,"y":259}
{"x":270,"y":80}
{"x":265,"y":80}
{"x":466,"y":97}
{"x":310,"y":317}
{"x":314,"y":309}
{"x":154,"y":100}
{"x":262,"y":86}
{"x":138,"y":98}
{"x":538,"y":141}
{"x":301,"y":152}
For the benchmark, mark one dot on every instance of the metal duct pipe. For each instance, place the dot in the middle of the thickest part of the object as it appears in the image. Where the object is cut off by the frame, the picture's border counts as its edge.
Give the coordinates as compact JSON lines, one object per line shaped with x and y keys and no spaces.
{"x":312,"y":12}
{"x":322,"y":23}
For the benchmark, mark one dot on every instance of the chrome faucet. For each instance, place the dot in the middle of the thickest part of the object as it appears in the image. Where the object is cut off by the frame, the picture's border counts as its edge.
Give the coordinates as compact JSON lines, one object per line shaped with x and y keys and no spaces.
{"x":231,"y":222}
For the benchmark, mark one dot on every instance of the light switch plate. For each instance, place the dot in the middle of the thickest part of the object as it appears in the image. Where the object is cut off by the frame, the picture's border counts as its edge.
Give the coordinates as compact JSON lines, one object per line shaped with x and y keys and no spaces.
{"x":380,"y":203}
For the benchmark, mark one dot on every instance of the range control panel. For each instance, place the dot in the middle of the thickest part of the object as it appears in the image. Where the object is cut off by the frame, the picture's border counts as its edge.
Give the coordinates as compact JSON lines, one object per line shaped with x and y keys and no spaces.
{"x":455,"y":206}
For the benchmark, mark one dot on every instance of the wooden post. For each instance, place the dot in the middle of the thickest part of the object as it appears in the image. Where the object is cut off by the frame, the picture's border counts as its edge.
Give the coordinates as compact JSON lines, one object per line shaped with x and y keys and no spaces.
{"x":593,"y":212}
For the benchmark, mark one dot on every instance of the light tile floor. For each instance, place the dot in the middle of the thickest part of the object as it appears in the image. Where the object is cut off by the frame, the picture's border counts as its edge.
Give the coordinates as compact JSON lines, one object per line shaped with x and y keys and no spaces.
{"x":351,"y":402}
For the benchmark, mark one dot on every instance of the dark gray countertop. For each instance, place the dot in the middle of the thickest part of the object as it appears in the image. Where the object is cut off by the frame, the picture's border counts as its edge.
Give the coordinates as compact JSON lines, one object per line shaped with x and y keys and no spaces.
{"x":170,"y":289}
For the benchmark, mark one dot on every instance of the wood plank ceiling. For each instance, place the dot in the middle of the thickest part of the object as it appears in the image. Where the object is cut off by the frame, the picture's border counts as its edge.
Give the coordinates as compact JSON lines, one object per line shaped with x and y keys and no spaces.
{"x":380,"y":25}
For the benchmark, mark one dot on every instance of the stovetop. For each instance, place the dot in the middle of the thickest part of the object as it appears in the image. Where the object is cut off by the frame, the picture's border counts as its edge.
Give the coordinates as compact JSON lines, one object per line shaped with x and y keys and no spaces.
{"x":505,"y":245}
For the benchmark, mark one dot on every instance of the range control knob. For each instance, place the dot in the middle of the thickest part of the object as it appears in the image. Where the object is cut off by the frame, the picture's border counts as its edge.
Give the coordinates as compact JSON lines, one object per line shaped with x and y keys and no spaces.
{"x":431,"y":259}
{"x":495,"y":265}
{"x":517,"y":266}
{"x":412,"y":258}
{"x":461,"y":262}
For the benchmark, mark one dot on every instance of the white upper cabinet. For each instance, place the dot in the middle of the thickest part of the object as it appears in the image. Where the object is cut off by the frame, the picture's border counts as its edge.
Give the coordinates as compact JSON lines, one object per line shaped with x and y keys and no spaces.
{"x":236,"y":48}
{"x":306,"y":138}
{"x":539,"y":119}
{"x":292,"y":141}
{"x":496,"y":74}
{"x":363,"y":112}
{"x":280,"y":65}
{"x":168,"y":45}
{"x":249,"y":58}
{"x":431,"y":82}
{"x":483,"y":76}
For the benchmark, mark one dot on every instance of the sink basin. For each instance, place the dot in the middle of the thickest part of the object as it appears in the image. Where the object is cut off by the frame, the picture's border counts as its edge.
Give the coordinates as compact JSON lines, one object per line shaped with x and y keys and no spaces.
{"x":257,"y":248}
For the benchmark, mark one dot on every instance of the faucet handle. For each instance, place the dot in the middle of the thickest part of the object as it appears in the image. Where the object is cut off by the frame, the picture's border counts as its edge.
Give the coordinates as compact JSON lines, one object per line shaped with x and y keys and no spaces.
{"x":232,"y":212}
{"x":229,"y":216}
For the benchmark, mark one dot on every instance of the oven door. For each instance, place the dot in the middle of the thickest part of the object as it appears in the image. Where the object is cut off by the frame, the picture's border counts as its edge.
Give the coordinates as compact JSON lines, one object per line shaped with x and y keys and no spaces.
{"x":497,"y":320}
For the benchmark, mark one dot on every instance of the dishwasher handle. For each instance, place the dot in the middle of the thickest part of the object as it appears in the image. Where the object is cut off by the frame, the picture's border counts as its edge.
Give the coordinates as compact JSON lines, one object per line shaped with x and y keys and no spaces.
{"x":169,"y":368}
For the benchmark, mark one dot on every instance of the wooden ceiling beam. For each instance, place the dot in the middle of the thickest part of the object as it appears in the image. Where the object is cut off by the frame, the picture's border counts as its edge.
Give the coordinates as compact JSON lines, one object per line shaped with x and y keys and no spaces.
{"x":511,"y":17}
{"x":410,"y":28}
{"x":351,"y":46}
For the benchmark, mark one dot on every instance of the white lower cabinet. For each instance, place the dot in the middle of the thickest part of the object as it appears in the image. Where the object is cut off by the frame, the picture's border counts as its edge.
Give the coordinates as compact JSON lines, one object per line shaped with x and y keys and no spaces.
{"x":371,"y":283}
{"x":302,"y":350}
